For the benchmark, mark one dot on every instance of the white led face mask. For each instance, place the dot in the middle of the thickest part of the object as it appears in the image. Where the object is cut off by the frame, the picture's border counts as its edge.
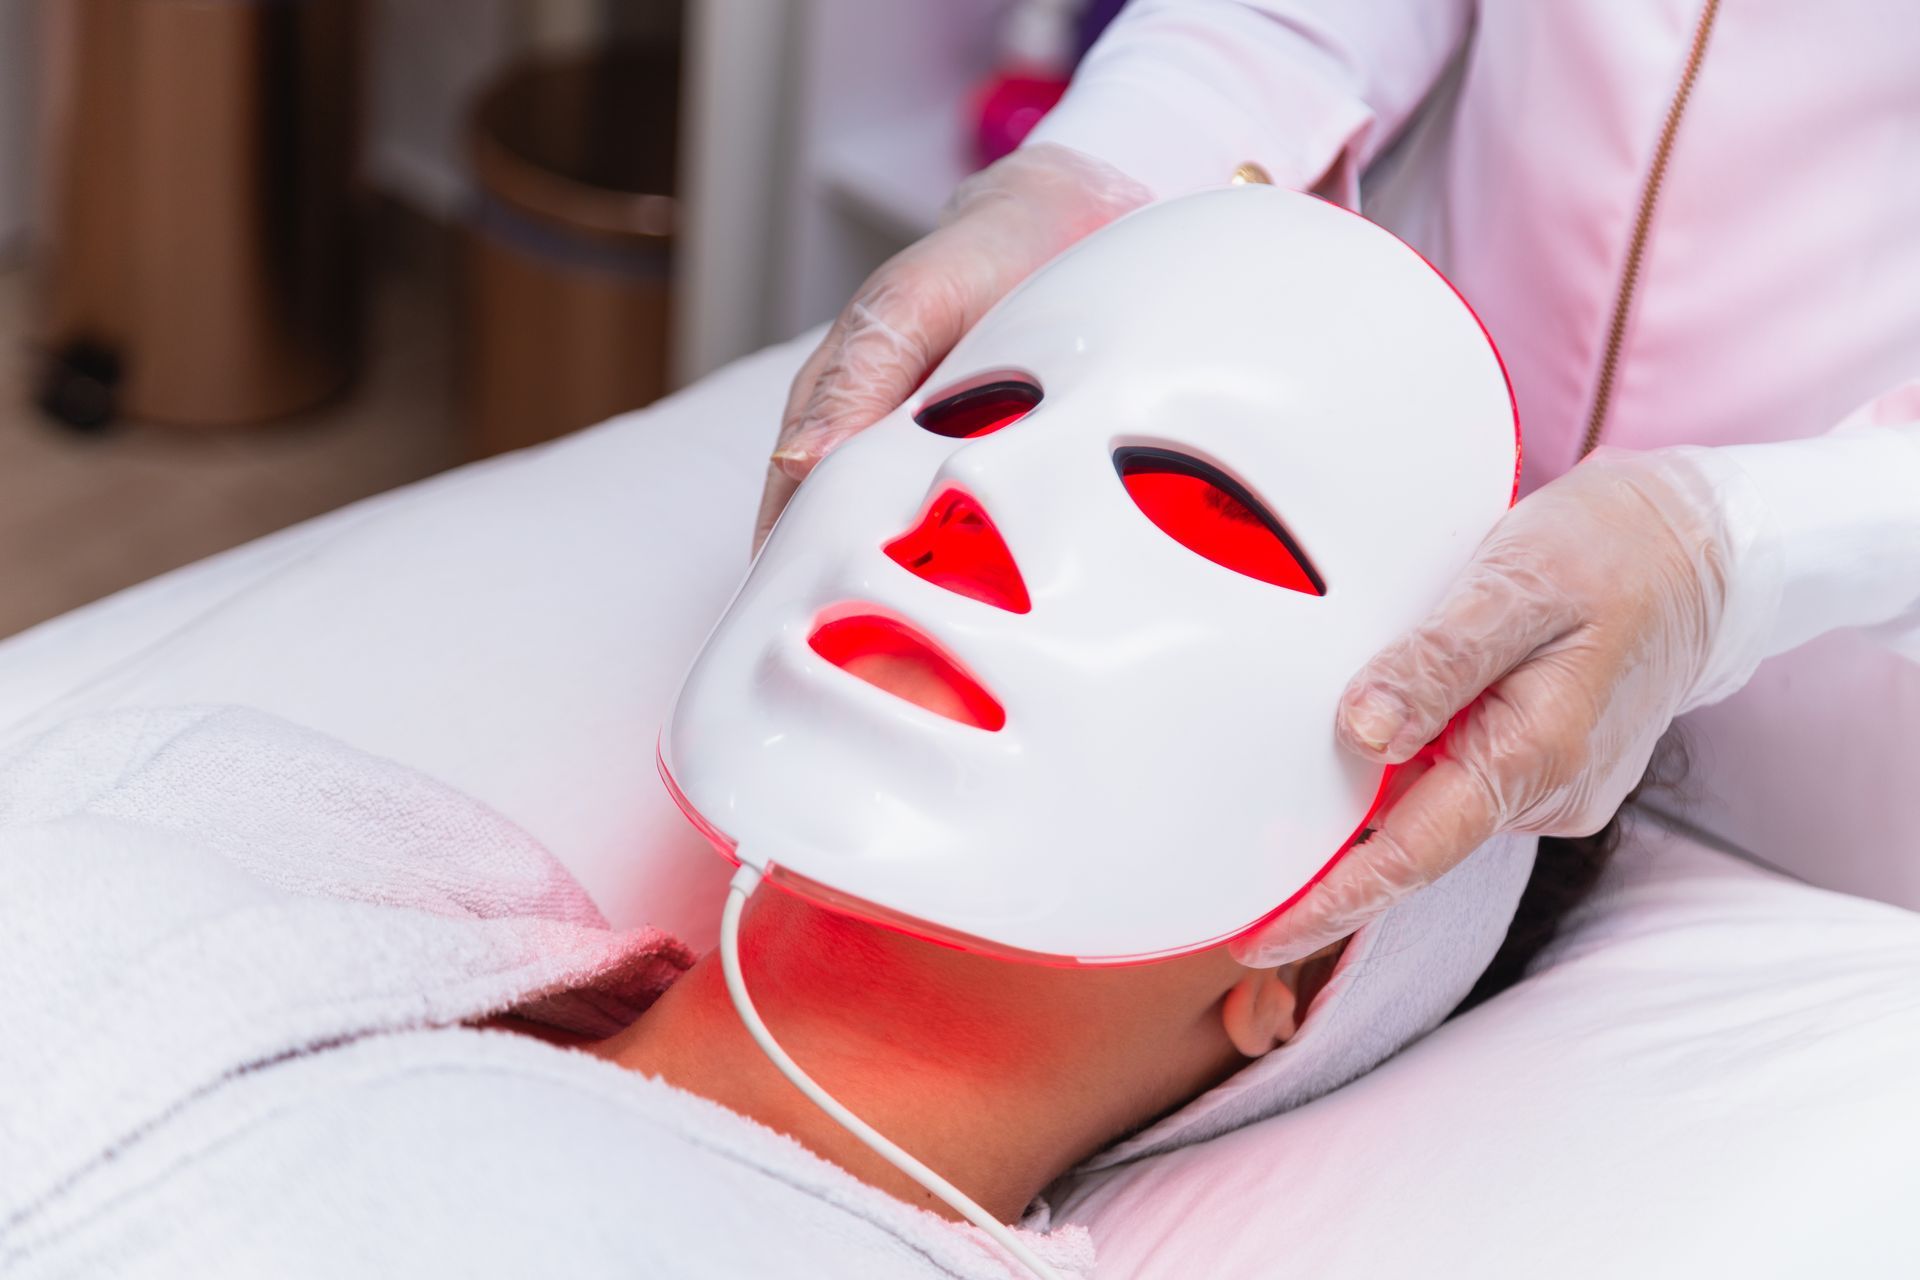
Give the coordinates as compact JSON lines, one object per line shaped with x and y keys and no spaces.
{"x":1134,"y":534}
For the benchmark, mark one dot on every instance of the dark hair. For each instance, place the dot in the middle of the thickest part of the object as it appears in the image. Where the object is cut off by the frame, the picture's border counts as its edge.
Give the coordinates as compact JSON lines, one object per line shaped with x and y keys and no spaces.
{"x":1565,"y":870}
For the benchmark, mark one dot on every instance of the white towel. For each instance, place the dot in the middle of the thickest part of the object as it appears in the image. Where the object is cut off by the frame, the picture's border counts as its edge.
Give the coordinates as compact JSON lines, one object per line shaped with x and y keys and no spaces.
{"x":1399,"y":977}
{"x":236,"y":957}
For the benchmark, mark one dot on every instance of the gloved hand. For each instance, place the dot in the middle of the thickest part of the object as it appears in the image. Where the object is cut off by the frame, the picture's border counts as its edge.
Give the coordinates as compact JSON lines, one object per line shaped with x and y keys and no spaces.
{"x":1000,"y":225}
{"x":1587,"y":619}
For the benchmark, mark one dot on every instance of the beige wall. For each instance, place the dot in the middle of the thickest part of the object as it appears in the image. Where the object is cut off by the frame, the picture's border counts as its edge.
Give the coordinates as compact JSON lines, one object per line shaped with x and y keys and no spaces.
{"x":427,"y":58}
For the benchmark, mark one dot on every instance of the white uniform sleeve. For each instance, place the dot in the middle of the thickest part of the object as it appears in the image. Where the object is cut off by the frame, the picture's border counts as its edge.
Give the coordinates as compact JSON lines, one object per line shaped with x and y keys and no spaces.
{"x":1178,"y":93}
{"x":1826,"y":534}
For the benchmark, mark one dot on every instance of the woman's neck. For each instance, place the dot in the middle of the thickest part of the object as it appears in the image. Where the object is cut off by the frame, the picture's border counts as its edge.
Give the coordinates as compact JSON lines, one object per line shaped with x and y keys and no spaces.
{"x":954,"y":1121}
{"x":998,"y":1079}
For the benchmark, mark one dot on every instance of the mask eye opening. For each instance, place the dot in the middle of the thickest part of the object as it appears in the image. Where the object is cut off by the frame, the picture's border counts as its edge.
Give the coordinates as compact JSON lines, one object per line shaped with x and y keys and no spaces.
{"x":1216,"y":517}
{"x":980,"y":409}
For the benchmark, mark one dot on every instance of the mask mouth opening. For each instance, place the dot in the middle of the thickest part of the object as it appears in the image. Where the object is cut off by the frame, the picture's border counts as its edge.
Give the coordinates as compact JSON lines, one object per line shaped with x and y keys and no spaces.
{"x":895,"y":658}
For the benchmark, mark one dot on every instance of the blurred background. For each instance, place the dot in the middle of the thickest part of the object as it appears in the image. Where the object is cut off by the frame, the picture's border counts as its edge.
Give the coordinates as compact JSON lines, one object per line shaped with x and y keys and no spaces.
{"x":262,"y":258}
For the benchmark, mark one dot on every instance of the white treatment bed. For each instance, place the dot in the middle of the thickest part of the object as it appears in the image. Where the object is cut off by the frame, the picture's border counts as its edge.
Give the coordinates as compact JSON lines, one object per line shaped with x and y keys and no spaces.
{"x":1716,"y":1071}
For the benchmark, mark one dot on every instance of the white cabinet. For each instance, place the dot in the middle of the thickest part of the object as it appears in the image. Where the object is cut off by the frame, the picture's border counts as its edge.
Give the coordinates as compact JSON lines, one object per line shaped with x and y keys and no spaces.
{"x":820,"y":137}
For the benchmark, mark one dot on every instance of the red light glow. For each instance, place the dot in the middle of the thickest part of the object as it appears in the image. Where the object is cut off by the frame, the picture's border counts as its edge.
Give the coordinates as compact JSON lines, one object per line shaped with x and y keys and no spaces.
{"x":955,"y":546}
{"x":822,"y":895}
{"x":892,"y":656}
{"x":1211,"y":515}
{"x":981,"y":410}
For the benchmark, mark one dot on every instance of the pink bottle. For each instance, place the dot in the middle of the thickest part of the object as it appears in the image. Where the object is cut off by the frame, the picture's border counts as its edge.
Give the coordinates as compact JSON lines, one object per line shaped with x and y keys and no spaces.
{"x":1036,"y":61}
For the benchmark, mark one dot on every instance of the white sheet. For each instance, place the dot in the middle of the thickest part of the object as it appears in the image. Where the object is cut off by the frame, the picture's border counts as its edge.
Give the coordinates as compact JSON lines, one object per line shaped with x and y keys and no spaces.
{"x":1714,"y":1075}
{"x":1719,"y":1073}
{"x":515,"y":628}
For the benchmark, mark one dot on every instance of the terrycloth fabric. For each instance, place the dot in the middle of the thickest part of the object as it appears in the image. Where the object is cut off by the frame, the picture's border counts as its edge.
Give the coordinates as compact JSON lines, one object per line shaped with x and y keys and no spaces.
{"x":237,"y":955}
{"x":1399,"y":977}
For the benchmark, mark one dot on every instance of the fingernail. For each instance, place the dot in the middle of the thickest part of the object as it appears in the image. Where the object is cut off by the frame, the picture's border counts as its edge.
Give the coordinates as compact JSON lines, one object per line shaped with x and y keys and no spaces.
{"x":1375,"y":719}
{"x":802,"y":451}
{"x":799,"y":446}
{"x":795,"y":463}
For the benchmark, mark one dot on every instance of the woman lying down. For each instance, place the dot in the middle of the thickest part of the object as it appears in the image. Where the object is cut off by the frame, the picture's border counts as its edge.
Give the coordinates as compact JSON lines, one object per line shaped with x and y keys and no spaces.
{"x":276,"y":1007}
{"x":254,"y":980}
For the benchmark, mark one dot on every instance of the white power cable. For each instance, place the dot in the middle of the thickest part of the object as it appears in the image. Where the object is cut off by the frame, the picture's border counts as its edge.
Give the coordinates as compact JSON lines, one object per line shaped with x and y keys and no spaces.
{"x":745,"y":880}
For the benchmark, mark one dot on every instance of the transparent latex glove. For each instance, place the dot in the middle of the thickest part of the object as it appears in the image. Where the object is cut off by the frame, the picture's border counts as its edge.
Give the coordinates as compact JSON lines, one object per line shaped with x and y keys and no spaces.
{"x":1001,"y":224}
{"x":1534,"y":693}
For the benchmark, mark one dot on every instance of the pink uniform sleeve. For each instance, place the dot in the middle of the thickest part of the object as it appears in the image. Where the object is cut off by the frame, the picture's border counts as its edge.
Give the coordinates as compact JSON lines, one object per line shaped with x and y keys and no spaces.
{"x":1178,"y":93}
{"x":1826,"y":535}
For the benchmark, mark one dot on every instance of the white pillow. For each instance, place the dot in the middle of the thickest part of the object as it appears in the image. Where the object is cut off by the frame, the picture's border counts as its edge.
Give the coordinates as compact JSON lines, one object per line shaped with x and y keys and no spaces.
{"x":1717,"y":1071}
{"x":516,"y":628}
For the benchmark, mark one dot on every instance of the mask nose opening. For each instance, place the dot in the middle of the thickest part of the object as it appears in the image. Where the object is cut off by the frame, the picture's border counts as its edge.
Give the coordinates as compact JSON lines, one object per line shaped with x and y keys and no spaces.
{"x":956,"y":546}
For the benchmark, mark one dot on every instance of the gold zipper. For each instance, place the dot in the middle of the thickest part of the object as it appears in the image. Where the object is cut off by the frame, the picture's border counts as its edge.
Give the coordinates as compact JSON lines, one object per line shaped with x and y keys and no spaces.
{"x":1642,"y":227}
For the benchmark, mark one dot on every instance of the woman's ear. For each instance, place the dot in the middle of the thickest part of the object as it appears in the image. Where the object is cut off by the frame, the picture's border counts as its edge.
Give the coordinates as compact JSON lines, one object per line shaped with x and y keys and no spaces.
{"x":1262,"y":1011}
{"x":1258,"y":1011}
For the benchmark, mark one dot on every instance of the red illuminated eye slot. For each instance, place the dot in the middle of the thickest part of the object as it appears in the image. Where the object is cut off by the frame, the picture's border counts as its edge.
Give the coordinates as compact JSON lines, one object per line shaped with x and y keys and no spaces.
{"x":1210,"y":514}
{"x":980,"y":410}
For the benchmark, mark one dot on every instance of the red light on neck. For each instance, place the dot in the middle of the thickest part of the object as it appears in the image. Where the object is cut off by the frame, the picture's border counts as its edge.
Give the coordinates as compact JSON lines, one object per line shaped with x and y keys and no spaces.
{"x":955,"y":546}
